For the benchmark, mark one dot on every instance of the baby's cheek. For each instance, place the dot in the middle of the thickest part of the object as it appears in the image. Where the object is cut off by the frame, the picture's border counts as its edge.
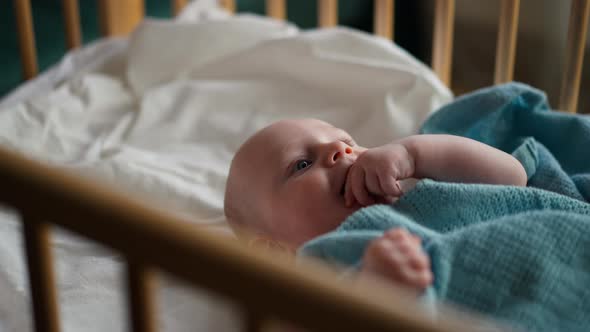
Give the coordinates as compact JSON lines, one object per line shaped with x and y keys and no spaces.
{"x":317,"y":203}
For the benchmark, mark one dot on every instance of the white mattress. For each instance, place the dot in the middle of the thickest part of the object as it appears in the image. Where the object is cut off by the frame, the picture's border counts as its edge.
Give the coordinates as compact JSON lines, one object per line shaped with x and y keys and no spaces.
{"x":160,"y":115}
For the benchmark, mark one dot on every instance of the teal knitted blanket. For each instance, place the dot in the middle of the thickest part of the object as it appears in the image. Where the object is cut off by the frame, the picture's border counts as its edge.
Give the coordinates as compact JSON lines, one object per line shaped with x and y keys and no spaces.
{"x":520,"y":255}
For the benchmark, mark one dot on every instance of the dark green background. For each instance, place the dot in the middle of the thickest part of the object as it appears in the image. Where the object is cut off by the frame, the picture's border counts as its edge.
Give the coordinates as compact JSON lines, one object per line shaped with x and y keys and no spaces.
{"x":51,"y":45}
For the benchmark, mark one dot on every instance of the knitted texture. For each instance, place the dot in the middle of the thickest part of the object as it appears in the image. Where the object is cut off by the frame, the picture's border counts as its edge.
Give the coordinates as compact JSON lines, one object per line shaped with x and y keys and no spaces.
{"x":521,"y":255}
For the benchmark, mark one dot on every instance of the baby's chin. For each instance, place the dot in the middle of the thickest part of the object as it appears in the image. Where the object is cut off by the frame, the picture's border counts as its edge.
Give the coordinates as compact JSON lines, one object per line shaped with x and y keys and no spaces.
{"x":340,"y":213}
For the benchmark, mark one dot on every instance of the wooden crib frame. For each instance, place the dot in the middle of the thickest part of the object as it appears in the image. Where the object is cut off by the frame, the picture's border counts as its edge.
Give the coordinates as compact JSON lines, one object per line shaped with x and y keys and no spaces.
{"x":152,"y":241}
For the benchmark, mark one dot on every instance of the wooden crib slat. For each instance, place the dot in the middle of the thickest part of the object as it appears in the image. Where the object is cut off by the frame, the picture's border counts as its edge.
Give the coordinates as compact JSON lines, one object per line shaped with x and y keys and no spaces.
{"x":506,"y":46}
{"x":327,"y":13}
{"x":574,"y":55}
{"x":383,"y":18}
{"x":229,"y":5}
{"x":72,"y":21}
{"x":141,"y":286}
{"x":442,"y":48}
{"x":254,"y":322}
{"x":177,"y":6}
{"x":26,"y":38}
{"x":276,"y":9}
{"x":41,"y":277}
{"x":118,"y":18}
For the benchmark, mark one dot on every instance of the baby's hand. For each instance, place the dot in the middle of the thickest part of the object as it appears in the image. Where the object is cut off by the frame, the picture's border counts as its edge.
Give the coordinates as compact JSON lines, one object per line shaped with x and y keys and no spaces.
{"x":398,"y":256}
{"x":376,"y":172}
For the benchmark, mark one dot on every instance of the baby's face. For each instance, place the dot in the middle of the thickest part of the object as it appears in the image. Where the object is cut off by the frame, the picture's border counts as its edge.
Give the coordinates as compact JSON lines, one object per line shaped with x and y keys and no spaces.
{"x":298,"y":169}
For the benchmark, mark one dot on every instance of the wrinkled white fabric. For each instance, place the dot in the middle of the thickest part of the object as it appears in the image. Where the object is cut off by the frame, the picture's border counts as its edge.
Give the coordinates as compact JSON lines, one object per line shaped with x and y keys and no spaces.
{"x":160,"y":115}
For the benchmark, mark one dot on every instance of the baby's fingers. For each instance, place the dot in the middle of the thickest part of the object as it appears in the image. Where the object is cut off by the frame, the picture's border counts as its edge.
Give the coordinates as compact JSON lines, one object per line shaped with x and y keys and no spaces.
{"x":390,"y":185}
{"x":356,"y":189}
{"x":372,"y":184}
{"x":418,"y":278}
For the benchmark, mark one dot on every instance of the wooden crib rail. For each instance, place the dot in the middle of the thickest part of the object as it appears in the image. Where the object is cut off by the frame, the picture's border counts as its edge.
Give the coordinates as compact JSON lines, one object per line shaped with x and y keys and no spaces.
{"x":120,"y":17}
{"x":141,"y":283}
{"x":576,"y":40}
{"x":177,"y":6}
{"x":506,"y":46}
{"x":72,"y":20}
{"x":383,"y":18}
{"x":26,"y":38}
{"x":442,"y":45}
{"x":41,"y":276}
{"x":276,"y":9}
{"x":327,"y":13}
{"x":151,"y":239}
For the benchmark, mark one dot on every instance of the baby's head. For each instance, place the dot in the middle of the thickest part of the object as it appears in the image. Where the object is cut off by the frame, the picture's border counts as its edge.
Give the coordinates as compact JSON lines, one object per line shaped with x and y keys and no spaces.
{"x":286,"y":181}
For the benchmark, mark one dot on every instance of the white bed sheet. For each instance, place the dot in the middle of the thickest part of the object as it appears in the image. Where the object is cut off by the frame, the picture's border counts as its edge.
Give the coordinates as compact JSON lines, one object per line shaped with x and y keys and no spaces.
{"x":160,"y":115}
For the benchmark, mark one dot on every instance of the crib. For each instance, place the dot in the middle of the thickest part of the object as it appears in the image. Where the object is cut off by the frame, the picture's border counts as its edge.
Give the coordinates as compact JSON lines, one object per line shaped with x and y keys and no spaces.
{"x":46,"y":196}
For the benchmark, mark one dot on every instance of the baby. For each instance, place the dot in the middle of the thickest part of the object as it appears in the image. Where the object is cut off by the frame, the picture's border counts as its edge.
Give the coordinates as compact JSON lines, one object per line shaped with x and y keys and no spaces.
{"x":297,"y":179}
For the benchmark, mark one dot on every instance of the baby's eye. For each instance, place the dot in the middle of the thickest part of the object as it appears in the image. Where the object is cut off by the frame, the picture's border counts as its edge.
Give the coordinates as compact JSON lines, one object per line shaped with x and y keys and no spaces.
{"x":302,"y":164}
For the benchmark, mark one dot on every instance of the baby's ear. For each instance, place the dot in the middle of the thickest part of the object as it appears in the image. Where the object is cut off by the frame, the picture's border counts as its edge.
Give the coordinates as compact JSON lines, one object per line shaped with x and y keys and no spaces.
{"x":270,"y":245}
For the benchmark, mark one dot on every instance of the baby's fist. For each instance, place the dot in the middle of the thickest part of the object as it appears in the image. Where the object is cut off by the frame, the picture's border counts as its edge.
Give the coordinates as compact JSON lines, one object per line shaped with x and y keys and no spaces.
{"x":398,"y":256}
{"x":376,"y":172}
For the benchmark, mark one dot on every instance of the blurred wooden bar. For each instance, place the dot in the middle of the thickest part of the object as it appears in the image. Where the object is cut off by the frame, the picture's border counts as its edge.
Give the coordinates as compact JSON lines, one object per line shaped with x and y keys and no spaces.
{"x":442,"y":48}
{"x":506,"y":45}
{"x":72,"y":22}
{"x":229,"y":5}
{"x":276,"y":9}
{"x":41,"y":277}
{"x":26,"y":38}
{"x":118,"y":18}
{"x":574,"y":56}
{"x":383,"y":18}
{"x":254,"y":322}
{"x":327,"y":13}
{"x":141,"y":285}
{"x":177,"y":6}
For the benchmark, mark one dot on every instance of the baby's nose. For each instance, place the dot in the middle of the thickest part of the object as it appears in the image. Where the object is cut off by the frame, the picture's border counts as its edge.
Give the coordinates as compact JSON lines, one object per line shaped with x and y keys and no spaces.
{"x":337,"y":150}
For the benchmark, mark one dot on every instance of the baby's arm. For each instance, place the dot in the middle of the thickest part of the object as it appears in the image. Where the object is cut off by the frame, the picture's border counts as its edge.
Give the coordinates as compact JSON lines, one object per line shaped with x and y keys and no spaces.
{"x":459,"y":159}
{"x":440,"y":157}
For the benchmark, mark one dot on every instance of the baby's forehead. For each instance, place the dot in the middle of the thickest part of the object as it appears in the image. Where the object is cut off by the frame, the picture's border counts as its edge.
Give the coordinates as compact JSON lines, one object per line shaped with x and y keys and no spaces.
{"x":273,"y":139}
{"x":299,"y":127}
{"x":298,"y":124}
{"x":276,"y":137}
